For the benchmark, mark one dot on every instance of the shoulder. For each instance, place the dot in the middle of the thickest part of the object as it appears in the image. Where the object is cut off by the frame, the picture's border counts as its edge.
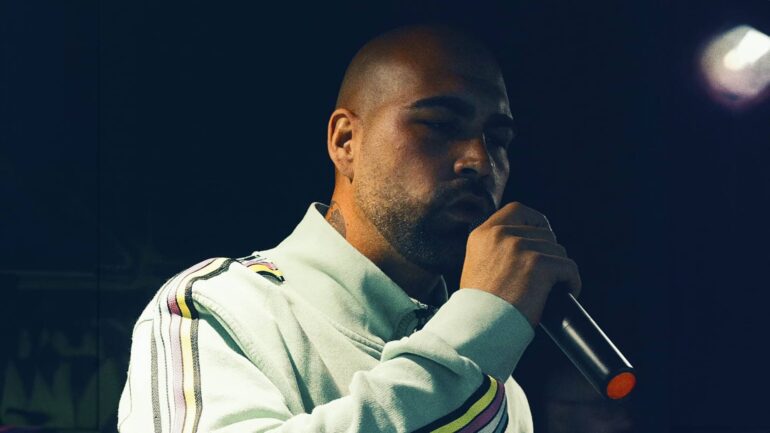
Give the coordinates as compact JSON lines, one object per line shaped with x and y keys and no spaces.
{"x":233,"y":295}
{"x":218,"y":286}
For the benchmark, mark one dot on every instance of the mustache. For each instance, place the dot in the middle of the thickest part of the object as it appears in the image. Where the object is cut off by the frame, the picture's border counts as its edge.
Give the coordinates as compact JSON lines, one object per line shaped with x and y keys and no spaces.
{"x":448,"y":192}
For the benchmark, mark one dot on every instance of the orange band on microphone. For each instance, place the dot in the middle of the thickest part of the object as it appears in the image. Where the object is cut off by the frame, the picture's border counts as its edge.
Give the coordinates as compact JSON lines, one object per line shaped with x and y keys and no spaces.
{"x":621,"y":385}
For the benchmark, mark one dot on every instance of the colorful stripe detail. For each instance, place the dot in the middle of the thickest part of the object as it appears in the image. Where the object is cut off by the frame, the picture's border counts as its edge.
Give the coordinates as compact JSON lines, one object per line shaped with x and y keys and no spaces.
{"x":485,"y":411}
{"x":183,"y":341}
{"x":262,"y":266}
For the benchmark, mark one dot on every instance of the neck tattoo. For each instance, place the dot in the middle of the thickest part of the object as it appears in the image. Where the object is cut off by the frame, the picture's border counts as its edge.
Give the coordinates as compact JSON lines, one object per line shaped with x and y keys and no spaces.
{"x":335,"y":218}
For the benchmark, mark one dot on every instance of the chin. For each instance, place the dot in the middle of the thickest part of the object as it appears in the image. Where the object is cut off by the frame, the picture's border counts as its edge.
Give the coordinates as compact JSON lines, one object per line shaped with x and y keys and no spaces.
{"x":448,"y":258}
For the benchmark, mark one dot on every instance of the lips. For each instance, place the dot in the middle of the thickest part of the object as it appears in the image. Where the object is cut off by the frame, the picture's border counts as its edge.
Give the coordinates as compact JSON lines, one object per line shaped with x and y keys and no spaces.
{"x":469,"y":208}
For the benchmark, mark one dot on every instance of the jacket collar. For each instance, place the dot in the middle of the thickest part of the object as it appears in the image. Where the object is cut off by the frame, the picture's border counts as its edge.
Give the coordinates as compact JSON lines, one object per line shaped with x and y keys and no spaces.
{"x":345,"y":285}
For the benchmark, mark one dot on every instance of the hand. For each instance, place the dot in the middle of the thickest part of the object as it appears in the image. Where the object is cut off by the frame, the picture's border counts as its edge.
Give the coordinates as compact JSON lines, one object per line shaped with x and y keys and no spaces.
{"x":514,"y":255}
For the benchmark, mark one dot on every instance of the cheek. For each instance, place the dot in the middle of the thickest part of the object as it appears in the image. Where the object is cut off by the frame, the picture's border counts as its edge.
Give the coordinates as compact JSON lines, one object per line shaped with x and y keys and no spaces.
{"x":387,"y":148}
{"x":395,"y":151}
{"x":419,"y":164}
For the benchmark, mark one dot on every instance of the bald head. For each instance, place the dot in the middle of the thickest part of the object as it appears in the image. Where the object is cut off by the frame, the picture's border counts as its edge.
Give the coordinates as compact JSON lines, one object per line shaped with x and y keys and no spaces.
{"x":385,"y":62}
{"x":422,"y":118}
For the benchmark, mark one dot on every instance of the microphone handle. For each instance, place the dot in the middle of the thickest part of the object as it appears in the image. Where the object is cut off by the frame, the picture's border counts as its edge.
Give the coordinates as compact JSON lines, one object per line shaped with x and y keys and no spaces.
{"x":586,"y":345}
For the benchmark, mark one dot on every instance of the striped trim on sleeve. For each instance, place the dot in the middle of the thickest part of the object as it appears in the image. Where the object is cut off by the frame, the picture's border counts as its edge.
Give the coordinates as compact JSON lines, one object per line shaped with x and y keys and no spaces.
{"x":483,"y":412}
{"x":178,"y":350}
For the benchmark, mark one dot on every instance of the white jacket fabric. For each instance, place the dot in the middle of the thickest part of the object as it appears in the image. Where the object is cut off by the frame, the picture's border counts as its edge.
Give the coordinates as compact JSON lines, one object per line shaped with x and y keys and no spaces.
{"x":311,"y":336}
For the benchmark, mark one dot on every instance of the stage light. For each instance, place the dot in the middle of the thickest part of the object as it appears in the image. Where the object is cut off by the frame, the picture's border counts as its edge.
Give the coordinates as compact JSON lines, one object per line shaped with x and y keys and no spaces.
{"x":736,"y":67}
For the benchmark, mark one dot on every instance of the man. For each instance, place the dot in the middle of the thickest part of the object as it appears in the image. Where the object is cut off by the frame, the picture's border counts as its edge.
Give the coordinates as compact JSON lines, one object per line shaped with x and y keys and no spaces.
{"x":346,"y":325}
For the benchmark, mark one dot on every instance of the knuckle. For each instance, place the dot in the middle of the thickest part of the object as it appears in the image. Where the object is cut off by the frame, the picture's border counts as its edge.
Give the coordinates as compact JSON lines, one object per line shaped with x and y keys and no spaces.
{"x":498,"y":229}
{"x":518,"y":244}
{"x":476,"y":232}
{"x":511,"y":208}
{"x":535,"y":260}
{"x":498,"y":233}
{"x":476,"y":237}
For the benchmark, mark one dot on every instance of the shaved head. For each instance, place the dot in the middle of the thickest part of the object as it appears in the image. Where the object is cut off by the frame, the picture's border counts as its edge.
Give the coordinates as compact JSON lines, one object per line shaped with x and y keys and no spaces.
{"x":422,"y":118}
{"x":374,"y":72}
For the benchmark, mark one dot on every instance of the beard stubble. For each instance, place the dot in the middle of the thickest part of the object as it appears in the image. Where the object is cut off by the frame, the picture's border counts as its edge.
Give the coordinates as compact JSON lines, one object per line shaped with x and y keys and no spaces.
{"x":415,"y":228}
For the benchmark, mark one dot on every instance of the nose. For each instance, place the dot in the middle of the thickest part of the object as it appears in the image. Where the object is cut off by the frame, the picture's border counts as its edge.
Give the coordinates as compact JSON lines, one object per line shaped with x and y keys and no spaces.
{"x":474,"y":161}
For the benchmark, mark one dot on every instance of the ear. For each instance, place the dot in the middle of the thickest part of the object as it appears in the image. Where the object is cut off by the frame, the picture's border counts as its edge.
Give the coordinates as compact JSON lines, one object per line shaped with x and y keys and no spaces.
{"x":340,"y":140}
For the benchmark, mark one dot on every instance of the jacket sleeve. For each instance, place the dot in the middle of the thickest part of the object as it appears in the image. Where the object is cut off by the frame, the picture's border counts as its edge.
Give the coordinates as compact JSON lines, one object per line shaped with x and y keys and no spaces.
{"x":450,"y":376}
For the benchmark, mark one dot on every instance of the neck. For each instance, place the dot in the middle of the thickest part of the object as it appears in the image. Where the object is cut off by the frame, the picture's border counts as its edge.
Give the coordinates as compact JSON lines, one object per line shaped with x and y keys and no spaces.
{"x":362,"y":235}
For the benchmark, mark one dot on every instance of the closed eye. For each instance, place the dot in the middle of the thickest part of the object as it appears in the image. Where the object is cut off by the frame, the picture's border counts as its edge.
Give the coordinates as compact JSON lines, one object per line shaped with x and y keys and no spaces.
{"x":442,"y":126}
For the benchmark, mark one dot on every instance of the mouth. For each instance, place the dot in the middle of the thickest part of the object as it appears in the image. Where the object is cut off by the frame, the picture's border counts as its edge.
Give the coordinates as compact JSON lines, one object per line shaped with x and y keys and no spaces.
{"x":469,"y":208}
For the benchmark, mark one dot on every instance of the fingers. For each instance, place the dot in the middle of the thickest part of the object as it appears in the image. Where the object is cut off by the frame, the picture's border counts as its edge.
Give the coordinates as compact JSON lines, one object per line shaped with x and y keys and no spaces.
{"x":565,"y":272}
{"x":528,"y":232}
{"x":573,"y":278}
{"x":515,"y":213}
{"x":531,"y":230}
{"x":548,"y":257}
{"x":553,"y":257}
{"x":521,"y":245}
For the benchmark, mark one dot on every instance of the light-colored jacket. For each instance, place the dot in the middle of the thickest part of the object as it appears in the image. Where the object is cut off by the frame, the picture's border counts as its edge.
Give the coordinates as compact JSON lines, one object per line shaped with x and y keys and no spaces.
{"x":311,"y":336}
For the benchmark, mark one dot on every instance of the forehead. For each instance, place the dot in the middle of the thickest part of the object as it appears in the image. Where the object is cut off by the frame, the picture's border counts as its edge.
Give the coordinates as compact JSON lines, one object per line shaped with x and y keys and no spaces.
{"x":410,"y":78}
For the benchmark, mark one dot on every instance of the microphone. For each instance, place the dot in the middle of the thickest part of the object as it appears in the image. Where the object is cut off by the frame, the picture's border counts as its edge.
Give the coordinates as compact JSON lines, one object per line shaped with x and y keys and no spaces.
{"x":586,"y":345}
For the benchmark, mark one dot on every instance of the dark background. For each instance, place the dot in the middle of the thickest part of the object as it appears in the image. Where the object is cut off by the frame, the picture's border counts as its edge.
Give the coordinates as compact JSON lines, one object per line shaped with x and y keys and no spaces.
{"x":137,"y":138}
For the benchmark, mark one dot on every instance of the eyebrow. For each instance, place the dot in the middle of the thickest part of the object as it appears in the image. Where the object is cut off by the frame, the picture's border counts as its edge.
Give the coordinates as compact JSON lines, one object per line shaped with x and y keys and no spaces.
{"x":463,"y":108}
{"x":451,"y":103}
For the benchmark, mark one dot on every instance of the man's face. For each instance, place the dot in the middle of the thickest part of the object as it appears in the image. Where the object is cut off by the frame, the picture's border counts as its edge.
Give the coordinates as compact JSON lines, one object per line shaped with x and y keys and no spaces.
{"x":439,"y":133}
